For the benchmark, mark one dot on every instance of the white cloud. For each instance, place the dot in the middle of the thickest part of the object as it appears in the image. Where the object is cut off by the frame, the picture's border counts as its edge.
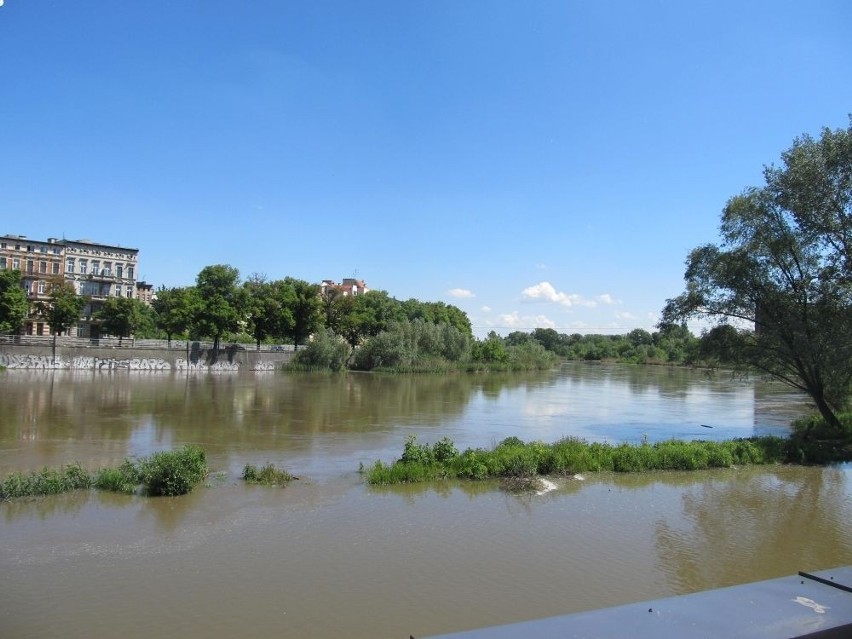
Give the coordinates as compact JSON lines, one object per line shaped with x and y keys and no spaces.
{"x":516,"y":320}
{"x":544,"y":292}
{"x":462,"y":293}
{"x":486,"y":309}
{"x":626,"y":316}
{"x":608,"y":299}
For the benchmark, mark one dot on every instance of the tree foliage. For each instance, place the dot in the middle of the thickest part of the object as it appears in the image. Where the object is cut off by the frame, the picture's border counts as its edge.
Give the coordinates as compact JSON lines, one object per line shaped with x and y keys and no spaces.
{"x":63,"y":307}
{"x":13,"y":302}
{"x":302,"y":301}
{"x":122,"y":316}
{"x":220,"y":302}
{"x":175,"y":309}
{"x":784,"y":267}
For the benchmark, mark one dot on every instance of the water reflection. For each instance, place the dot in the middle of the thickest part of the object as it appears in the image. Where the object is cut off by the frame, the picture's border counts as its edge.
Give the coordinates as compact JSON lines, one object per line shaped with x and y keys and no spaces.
{"x":329,"y":423}
{"x":756,"y":521}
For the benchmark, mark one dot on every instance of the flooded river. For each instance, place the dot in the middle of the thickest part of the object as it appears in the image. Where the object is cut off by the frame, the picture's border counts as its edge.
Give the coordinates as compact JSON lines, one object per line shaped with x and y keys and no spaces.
{"x":329,"y":556}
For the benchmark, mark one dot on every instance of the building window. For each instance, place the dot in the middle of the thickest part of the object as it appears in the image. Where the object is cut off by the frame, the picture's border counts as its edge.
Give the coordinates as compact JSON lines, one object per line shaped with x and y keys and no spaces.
{"x":41,"y":288}
{"x":30,"y":266}
{"x":42,"y":249}
{"x":130,"y":272}
{"x":16,"y":264}
{"x":96,"y":267}
{"x":2,"y":244}
{"x":42,"y":267}
{"x":29,"y":248}
{"x":69,"y":265}
{"x":84,"y":265}
{"x":129,"y":292}
{"x":56,"y":268}
{"x":2,"y":263}
{"x":56,"y":251}
{"x":108,"y":269}
{"x":119,"y":270}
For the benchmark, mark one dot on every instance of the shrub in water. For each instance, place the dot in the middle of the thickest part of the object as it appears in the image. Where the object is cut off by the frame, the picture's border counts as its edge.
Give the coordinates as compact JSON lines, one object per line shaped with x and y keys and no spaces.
{"x":175,"y":472}
{"x":269,"y":475}
{"x":123,"y":479}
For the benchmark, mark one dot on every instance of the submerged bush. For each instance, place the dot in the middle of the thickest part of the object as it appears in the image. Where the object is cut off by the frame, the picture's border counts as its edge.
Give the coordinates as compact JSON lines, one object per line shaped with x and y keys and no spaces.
{"x":268,"y":475}
{"x":48,"y":481}
{"x":165,"y":473}
{"x":514,"y":459}
{"x":174,"y":472}
{"x":123,"y":479}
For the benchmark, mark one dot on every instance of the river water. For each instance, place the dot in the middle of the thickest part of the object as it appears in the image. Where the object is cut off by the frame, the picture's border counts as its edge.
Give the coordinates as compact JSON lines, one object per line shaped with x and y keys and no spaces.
{"x":329,"y":555}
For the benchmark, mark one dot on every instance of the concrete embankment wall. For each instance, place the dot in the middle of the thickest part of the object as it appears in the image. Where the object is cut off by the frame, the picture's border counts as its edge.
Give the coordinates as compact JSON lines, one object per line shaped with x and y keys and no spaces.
{"x":139,"y":359}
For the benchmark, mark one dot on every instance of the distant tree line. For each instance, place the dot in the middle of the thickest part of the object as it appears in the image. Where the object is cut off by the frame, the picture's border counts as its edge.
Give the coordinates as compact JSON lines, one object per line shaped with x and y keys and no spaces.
{"x":674,"y":344}
{"x":335,"y":331}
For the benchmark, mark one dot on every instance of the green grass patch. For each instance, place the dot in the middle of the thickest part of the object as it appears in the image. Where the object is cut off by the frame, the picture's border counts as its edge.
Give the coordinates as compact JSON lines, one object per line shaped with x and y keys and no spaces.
{"x":267,"y":475}
{"x":517,"y":460}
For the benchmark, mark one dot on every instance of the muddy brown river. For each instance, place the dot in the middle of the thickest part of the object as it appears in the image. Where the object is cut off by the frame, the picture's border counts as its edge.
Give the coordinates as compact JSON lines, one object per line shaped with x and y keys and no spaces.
{"x":329,"y":556}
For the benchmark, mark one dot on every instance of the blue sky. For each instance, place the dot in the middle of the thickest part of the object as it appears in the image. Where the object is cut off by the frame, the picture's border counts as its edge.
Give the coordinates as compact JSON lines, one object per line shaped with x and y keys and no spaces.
{"x":538,"y":164}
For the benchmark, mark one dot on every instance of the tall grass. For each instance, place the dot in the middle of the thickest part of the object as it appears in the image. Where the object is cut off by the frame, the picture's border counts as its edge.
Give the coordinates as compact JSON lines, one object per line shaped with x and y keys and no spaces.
{"x":513,"y":458}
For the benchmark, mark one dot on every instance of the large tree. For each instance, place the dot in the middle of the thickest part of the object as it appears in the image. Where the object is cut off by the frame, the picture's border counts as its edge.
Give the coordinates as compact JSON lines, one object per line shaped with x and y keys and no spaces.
{"x":783,"y":268}
{"x":122,"y":316}
{"x":13,"y":302}
{"x":63,"y":307}
{"x":220,"y":302}
{"x":265,"y":311}
{"x":175,"y":309}
{"x":301,"y":300}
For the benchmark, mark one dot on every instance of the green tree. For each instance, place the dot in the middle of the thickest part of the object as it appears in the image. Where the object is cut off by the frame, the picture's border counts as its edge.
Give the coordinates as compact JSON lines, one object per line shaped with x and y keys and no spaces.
{"x":302,"y":301}
{"x":174,"y":310}
{"x":63,"y":307}
{"x":121,"y":316}
{"x":220,"y":302}
{"x":333,"y":308}
{"x":13,"y":302}
{"x":264,"y":308}
{"x":784,"y":267}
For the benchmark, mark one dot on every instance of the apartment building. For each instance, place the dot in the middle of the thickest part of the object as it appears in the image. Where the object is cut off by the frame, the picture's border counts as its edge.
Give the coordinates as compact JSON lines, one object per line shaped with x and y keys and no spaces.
{"x":145,"y":292}
{"x":38,"y":261}
{"x":96,"y":270}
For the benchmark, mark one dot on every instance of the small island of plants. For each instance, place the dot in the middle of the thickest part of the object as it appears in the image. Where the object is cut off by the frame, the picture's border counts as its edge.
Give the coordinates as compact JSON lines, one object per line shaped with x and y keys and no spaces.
{"x":811,"y":442}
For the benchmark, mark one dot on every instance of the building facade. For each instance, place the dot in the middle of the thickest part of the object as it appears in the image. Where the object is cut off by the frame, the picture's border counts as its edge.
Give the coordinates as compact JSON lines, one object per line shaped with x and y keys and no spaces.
{"x":38,"y":261}
{"x":98,"y":271}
